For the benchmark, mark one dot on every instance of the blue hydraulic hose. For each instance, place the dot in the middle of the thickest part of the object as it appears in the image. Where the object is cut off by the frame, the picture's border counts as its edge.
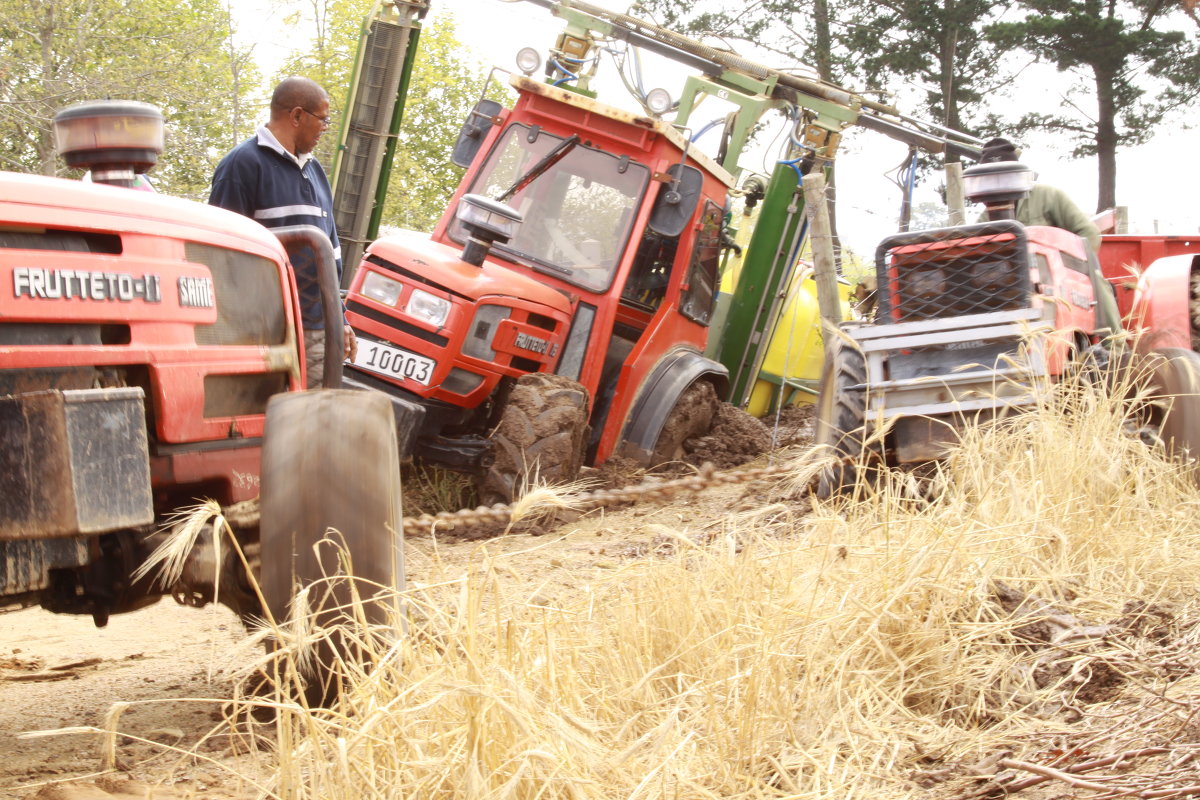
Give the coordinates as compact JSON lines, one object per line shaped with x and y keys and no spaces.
{"x":570,"y":76}
{"x":707,"y":128}
{"x":912,"y":175}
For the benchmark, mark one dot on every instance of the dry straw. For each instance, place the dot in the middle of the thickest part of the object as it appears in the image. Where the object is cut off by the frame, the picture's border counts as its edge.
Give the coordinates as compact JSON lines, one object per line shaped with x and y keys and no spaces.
{"x":864,"y":651}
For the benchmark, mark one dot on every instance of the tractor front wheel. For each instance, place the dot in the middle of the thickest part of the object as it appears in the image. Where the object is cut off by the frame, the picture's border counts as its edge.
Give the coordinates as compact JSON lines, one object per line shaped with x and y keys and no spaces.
{"x":541,"y":436}
{"x":330,"y":522}
{"x":692,"y":416}
{"x":841,"y":416}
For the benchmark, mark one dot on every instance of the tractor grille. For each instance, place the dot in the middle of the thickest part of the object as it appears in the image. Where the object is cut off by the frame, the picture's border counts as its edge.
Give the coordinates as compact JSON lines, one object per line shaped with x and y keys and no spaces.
{"x":935,"y":361}
{"x":236,"y":395}
{"x":250,"y":308}
{"x":953,"y":272}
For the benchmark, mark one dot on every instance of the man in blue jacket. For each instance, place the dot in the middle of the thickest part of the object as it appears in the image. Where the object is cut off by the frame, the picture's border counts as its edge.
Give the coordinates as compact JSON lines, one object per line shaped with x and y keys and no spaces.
{"x":273,"y":178}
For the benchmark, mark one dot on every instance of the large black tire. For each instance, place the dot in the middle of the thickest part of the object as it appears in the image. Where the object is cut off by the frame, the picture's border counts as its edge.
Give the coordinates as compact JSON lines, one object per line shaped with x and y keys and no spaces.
{"x":330,"y":461}
{"x":1174,"y":395}
{"x":692,"y":416}
{"x":1194,"y":308}
{"x":841,"y":417}
{"x":541,"y":436}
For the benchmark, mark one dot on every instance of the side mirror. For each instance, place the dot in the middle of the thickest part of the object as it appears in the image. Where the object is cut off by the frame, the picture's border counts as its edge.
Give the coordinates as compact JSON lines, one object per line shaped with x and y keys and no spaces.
{"x":676,"y":202}
{"x":471,"y":137}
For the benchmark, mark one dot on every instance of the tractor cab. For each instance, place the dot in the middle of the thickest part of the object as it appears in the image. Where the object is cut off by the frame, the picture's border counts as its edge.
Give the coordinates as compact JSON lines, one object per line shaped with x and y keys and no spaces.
{"x":584,"y":242}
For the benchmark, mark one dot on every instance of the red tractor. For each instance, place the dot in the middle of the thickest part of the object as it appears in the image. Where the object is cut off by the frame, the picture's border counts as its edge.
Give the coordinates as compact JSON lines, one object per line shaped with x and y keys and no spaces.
{"x":151,"y":354}
{"x":950,"y":341}
{"x":559,"y":311}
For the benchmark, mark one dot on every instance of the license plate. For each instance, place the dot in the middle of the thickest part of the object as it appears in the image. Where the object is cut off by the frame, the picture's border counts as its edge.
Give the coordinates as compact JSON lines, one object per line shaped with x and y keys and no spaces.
{"x":393,"y":361}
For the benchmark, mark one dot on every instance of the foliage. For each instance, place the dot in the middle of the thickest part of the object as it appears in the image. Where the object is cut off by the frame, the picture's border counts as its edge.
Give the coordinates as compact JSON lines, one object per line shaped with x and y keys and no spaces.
{"x":59,"y":52}
{"x":332,"y":29}
{"x":881,"y":44}
{"x":936,"y":53}
{"x":940,"y":48}
{"x":1126,"y":54}
{"x":1039,"y":588}
{"x":927,"y":215}
{"x":444,"y":87}
{"x":429,"y":490}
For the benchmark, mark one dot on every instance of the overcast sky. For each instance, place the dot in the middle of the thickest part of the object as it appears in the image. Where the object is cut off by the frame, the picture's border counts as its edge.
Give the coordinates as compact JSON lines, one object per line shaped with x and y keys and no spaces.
{"x":1156,"y":181}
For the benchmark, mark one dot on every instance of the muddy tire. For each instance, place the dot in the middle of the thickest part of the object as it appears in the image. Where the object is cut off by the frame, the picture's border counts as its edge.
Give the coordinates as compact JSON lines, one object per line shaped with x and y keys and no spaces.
{"x":1194,"y":308}
{"x":692,"y":416}
{"x":1174,"y":401}
{"x":841,"y":417}
{"x":330,"y":461}
{"x":541,"y":436}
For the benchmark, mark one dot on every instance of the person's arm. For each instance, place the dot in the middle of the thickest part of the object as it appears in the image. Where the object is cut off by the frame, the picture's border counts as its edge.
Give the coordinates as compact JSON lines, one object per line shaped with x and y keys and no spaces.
{"x":231,"y":191}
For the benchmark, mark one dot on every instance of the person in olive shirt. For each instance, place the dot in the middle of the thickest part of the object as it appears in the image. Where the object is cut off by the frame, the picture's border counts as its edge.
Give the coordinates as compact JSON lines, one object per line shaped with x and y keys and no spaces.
{"x":1048,"y":205}
{"x":1045,"y":205}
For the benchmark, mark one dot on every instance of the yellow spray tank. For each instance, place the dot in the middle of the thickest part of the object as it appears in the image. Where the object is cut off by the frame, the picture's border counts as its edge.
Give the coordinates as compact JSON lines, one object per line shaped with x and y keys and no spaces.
{"x":791,"y":368}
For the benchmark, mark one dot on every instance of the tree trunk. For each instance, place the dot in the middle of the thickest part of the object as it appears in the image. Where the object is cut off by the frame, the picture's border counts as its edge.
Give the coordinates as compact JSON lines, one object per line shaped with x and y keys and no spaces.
{"x":1106,"y":139}
{"x":947,"y":58}
{"x":824,"y":57}
{"x":44,"y":142}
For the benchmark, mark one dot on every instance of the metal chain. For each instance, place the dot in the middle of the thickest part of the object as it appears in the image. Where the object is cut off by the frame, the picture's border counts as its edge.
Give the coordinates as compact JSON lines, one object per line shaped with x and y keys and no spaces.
{"x":649,"y":489}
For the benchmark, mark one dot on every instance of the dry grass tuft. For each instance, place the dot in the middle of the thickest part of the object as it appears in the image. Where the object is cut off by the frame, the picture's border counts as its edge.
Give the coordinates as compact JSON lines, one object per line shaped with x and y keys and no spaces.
{"x":870,"y":650}
{"x":428,"y":490}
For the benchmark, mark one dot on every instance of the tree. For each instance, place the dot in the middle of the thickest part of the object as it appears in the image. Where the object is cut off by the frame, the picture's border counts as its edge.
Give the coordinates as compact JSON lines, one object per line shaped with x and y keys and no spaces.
{"x":334,"y":28}
{"x":941,"y":48}
{"x":1122,"y":52}
{"x":780,"y":26}
{"x":444,"y":88}
{"x":59,"y":52}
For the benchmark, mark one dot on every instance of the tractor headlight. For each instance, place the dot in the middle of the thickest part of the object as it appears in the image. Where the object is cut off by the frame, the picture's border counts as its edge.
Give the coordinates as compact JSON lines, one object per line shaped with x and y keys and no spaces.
{"x":992,"y":275}
{"x":528,"y":60}
{"x":926,"y":283}
{"x":659,"y":101}
{"x":428,"y":308}
{"x":381,"y":289}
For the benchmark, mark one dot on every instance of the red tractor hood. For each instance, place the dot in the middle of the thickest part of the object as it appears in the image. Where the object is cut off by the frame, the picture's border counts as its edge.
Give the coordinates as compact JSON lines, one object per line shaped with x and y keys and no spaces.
{"x":443,"y":265}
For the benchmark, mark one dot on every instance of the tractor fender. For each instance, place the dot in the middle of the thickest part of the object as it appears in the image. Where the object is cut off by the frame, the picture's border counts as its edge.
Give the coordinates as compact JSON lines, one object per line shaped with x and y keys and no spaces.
{"x":670,"y":378}
{"x":1161,"y":299}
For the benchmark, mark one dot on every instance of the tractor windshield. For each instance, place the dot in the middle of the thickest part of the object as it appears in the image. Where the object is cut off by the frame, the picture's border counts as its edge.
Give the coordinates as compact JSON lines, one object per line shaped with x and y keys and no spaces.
{"x":577,"y":214}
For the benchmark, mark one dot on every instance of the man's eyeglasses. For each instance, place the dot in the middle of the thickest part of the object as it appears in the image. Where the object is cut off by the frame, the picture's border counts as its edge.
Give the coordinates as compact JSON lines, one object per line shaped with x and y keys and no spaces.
{"x":326,"y":121}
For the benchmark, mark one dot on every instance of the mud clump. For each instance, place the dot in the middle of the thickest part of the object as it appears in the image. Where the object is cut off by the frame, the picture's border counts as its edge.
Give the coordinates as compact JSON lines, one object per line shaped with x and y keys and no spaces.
{"x":736,"y":438}
{"x":615,"y":473}
{"x":792,"y":426}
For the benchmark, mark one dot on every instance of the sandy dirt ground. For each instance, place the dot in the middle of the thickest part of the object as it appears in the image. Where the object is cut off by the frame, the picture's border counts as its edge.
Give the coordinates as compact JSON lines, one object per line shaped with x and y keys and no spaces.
{"x":60,"y":672}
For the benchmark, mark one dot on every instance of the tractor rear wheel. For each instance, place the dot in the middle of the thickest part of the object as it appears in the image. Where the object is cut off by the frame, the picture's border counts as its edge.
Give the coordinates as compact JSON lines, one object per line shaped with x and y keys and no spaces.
{"x":541,"y":436}
{"x":692,"y":416}
{"x":841,"y":416}
{"x":330,"y":465}
{"x":1194,"y":307}
{"x":1174,"y":399}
